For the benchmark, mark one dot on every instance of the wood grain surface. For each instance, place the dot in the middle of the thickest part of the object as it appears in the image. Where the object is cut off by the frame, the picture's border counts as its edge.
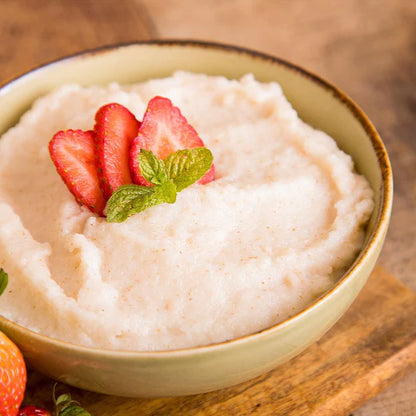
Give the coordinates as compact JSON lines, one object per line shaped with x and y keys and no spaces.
{"x":369,"y":348}
{"x":366,"y":47}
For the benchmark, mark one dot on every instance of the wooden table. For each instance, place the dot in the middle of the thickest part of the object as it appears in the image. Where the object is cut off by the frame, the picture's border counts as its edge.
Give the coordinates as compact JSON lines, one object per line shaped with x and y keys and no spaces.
{"x":365,"y":47}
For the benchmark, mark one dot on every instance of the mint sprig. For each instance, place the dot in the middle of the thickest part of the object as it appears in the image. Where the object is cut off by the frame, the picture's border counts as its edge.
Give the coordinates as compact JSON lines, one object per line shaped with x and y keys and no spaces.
{"x":65,"y":406}
{"x":4,"y":280}
{"x":170,"y":176}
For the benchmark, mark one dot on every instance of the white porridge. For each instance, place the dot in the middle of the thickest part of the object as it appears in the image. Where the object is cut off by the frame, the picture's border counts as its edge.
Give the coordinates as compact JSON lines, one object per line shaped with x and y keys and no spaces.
{"x":280,"y":224}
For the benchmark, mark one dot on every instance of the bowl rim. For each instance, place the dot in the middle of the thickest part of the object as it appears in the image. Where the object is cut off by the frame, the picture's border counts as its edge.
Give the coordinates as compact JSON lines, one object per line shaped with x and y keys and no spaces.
{"x":375,"y":238}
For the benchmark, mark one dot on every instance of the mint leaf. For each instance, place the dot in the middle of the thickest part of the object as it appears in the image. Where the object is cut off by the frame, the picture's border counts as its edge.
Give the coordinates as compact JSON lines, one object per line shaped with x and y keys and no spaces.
{"x":4,"y":280}
{"x":152,"y":168}
{"x":131,"y":199}
{"x":184,"y":167}
{"x":74,"y":410}
{"x":63,"y":399}
{"x":166,"y":192}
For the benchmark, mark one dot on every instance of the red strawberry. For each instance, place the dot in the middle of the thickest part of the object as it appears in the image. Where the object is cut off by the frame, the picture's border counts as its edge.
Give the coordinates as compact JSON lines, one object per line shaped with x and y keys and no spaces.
{"x":209,"y":176}
{"x":164,"y":130}
{"x":115,"y":128}
{"x":12,"y":377}
{"x":33,"y":411}
{"x":72,"y":151}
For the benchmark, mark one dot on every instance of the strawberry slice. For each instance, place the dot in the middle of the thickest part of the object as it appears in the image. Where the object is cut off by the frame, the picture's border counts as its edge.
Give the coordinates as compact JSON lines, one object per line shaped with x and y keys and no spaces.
{"x":209,"y":176}
{"x":164,"y":130}
{"x":72,"y":152}
{"x":115,"y":128}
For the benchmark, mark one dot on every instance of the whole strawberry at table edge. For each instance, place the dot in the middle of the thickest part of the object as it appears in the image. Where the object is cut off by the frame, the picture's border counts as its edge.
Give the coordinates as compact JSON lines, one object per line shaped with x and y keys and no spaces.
{"x":12,"y":374}
{"x":94,"y":164}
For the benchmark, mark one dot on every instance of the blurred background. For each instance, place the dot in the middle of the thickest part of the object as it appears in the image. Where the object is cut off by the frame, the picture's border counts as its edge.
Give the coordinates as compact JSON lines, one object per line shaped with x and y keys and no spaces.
{"x":366,"y":47}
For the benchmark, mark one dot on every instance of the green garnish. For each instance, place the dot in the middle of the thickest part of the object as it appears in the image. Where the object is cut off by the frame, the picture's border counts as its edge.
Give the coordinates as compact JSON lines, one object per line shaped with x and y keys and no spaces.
{"x":4,"y":280}
{"x":170,"y":176}
{"x":65,"y":406}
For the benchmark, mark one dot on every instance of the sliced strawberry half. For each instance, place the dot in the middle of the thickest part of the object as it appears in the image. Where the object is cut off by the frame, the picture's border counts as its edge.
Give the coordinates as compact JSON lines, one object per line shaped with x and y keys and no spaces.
{"x":209,"y":176}
{"x":72,"y":152}
{"x":164,"y":130}
{"x":115,"y":128}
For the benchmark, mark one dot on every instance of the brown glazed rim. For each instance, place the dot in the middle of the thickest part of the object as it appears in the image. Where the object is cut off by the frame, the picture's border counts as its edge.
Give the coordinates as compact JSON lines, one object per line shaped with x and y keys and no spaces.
{"x":377,"y":235}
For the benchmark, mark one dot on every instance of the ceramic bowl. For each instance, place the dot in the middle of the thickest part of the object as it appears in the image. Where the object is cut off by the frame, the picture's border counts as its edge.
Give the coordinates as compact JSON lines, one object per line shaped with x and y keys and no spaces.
{"x":196,"y":370}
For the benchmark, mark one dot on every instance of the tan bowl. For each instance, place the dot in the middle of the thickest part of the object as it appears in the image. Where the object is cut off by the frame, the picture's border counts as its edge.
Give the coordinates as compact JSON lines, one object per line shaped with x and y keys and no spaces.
{"x":202,"y":369}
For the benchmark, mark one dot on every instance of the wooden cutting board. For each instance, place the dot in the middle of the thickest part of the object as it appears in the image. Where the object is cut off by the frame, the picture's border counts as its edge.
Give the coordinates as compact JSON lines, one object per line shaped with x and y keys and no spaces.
{"x":373,"y":345}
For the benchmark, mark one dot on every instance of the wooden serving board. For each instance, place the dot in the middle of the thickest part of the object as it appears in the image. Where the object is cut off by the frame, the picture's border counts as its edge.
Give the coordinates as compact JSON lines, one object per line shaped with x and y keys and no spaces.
{"x":373,"y":345}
